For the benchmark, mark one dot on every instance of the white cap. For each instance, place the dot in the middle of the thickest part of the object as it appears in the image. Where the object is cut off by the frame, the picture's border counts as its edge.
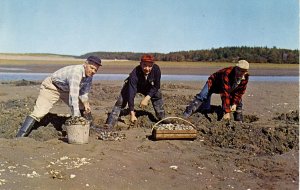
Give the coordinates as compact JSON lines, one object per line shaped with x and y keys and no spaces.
{"x":243,"y":64}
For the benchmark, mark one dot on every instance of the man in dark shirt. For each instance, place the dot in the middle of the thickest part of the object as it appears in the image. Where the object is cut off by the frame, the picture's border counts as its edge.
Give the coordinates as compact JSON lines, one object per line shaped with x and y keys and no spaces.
{"x":144,"y":79}
{"x":231,"y":84}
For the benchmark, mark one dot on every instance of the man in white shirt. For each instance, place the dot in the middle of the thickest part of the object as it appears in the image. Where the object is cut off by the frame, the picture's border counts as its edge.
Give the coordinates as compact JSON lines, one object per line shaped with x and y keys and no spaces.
{"x":71,"y":84}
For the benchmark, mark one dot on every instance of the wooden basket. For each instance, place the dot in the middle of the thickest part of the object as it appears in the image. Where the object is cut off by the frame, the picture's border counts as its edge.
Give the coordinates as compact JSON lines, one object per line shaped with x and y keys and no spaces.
{"x":173,"y":134}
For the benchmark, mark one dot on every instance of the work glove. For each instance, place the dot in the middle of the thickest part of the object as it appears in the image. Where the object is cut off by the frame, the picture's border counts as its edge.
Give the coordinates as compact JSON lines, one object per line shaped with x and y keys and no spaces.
{"x":233,"y":108}
{"x":133,"y":118}
{"x":226,"y":116}
{"x":145,"y":101}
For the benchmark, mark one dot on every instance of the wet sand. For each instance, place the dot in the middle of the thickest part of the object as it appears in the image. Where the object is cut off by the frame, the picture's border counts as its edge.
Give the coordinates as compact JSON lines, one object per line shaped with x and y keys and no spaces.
{"x":261,"y":153}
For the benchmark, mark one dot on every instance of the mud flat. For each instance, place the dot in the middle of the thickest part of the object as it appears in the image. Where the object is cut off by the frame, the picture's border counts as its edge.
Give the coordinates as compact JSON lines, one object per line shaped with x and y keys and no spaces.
{"x":261,"y":153}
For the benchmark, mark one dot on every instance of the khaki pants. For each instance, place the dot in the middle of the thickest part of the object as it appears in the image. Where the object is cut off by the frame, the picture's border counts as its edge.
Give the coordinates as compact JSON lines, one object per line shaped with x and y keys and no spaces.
{"x":48,"y":96}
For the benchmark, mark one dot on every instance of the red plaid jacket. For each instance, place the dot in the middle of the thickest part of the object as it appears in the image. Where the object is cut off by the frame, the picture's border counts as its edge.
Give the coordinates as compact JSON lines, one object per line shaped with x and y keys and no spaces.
{"x":222,"y":83}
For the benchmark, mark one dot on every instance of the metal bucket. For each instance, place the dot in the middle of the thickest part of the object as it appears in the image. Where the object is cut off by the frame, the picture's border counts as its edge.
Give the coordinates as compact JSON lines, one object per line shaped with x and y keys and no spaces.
{"x":78,"y":134}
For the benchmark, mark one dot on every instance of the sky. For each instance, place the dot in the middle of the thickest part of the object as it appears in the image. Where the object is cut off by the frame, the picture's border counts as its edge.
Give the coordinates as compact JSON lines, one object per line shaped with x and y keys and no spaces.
{"x":76,"y":27}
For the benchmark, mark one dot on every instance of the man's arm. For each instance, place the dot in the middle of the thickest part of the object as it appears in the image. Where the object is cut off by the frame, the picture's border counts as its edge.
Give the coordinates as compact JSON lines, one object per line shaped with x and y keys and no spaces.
{"x":240,"y":91}
{"x":132,"y":89}
{"x":225,"y":95}
{"x":156,"y":82}
{"x":74,"y":83}
{"x":83,"y":94}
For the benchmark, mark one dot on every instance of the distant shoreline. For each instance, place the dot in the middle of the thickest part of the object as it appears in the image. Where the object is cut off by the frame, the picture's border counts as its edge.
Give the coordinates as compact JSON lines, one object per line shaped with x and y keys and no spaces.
{"x":49,"y":64}
{"x":121,"y":69}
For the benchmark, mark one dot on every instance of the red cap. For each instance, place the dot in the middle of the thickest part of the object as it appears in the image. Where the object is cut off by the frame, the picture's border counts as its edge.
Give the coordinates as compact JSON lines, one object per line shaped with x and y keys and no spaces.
{"x":147,"y":58}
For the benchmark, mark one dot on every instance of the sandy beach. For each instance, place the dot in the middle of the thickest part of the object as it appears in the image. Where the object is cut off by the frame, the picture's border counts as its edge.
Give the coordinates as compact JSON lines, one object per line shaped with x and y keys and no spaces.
{"x":261,"y":153}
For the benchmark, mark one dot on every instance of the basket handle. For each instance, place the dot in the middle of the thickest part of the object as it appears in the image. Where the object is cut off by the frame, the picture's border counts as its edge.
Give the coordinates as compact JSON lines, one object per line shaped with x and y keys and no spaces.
{"x":173,"y":118}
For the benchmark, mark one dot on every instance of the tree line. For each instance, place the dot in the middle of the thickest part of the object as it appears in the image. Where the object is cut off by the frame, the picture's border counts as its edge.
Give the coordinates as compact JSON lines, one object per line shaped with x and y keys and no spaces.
{"x":225,"y":54}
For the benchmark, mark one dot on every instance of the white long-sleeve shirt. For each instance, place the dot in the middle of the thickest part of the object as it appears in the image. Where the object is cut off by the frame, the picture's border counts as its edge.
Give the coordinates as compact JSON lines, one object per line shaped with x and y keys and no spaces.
{"x":72,"y":79}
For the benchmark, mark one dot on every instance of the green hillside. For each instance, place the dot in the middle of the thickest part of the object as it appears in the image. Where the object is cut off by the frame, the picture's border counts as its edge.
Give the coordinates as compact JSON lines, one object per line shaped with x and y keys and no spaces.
{"x":226,"y":54}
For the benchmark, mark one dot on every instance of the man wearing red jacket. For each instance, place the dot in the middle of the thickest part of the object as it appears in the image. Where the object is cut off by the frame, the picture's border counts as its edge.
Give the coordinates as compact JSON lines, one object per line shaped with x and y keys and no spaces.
{"x":230,"y":83}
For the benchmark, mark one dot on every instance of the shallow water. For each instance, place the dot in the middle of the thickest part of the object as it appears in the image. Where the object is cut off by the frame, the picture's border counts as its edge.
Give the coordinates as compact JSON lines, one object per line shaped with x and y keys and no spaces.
{"x":12,"y":69}
{"x":8,"y":76}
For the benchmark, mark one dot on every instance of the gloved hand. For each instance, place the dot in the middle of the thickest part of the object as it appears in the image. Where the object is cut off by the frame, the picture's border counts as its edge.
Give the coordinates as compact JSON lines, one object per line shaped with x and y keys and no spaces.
{"x":233,"y":108}
{"x":145,"y":101}
{"x":133,"y":117}
{"x":226,"y":116}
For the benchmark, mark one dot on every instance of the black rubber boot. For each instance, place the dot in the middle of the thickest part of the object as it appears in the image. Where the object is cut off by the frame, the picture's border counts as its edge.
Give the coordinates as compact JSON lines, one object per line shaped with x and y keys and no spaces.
{"x":26,"y":127}
{"x":193,"y":107}
{"x":238,"y":116}
{"x":158,"y":106}
{"x":112,"y":118}
{"x":160,"y":115}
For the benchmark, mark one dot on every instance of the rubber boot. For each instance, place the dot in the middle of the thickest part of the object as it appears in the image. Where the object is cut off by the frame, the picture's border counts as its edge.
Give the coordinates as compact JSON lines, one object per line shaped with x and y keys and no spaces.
{"x":238,"y":115}
{"x":159,"y":112}
{"x":26,"y":127}
{"x":112,"y":118}
{"x":193,"y":107}
{"x":160,"y":115}
{"x":158,"y":106}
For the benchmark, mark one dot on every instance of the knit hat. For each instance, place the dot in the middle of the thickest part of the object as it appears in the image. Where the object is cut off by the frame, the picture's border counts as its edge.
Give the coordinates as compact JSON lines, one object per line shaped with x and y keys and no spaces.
{"x":243,"y":64}
{"x":94,"y":59}
{"x":147,"y":58}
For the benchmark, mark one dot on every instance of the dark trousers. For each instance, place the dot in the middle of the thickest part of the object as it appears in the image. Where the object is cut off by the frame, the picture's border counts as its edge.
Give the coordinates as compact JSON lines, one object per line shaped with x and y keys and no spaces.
{"x":156,"y":100}
{"x":205,"y":96}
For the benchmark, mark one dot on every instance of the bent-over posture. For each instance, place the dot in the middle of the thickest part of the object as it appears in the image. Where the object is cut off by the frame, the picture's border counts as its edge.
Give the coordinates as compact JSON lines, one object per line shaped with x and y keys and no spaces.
{"x":231,"y":84}
{"x":144,"y":79}
{"x":71,"y":84}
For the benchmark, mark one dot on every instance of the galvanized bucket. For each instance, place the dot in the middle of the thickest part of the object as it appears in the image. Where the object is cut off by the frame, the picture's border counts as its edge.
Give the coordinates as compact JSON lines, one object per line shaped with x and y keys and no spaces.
{"x":78,"y":134}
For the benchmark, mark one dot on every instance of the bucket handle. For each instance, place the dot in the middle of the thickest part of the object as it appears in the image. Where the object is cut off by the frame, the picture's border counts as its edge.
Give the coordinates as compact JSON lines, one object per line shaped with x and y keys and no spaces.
{"x":179,"y":118}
